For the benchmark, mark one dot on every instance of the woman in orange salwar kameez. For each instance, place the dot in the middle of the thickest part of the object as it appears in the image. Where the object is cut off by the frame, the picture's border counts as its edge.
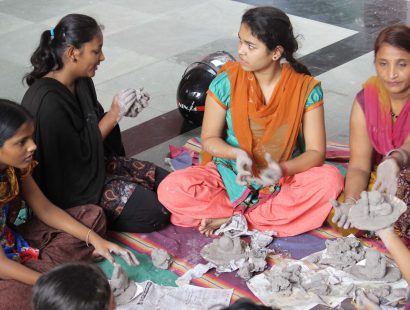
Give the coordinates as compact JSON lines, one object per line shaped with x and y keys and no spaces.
{"x":263,"y":138}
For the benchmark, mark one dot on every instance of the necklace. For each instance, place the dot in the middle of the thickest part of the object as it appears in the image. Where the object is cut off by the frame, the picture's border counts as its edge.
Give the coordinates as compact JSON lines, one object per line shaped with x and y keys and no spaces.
{"x":394,"y":116}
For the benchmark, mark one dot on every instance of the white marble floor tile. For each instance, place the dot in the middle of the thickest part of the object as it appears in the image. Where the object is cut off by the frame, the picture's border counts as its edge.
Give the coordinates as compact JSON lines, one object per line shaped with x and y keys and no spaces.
{"x":119,"y":61}
{"x":38,"y":10}
{"x":163,"y":37}
{"x":11,"y":86}
{"x":314,"y":35}
{"x":157,"y":7}
{"x":10,"y":23}
{"x":340,"y":86}
{"x":222,"y":18}
{"x":113,"y":18}
{"x":160,"y":79}
{"x":20,"y":44}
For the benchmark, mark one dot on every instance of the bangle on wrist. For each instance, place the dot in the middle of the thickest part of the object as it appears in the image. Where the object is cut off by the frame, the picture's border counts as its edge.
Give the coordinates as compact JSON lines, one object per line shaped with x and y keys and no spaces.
{"x":87,"y":238}
{"x":352,"y":200}
{"x":403,"y":154}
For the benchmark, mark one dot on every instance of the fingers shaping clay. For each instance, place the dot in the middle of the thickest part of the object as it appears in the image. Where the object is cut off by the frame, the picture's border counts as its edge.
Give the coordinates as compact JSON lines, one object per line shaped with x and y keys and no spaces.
{"x":375,"y":211}
{"x":375,"y":268}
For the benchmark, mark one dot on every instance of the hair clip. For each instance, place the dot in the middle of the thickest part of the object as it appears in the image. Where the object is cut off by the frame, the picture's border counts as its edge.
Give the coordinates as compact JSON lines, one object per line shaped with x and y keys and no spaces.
{"x":52,"y":33}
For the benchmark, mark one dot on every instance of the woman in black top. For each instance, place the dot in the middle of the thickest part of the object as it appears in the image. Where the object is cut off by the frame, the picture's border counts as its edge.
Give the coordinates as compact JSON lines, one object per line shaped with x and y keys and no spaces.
{"x":80,"y":150}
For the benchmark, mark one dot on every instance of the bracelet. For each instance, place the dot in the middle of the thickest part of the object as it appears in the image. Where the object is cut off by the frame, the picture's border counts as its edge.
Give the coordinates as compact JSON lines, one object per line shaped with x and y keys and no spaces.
{"x":352,"y":199}
{"x":284,"y":169}
{"x":403,"y":154}
{"x":87,"y":238}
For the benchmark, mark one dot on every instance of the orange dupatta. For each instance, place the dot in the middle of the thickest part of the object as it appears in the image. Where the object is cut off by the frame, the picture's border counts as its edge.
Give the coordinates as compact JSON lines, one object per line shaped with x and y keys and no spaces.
{"x":274,"y":127}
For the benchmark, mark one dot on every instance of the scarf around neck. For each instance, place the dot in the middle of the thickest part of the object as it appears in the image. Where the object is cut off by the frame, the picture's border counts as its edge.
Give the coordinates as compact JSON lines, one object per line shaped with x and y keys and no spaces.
{"x":383,"y":133}
{"x":278,"y":121}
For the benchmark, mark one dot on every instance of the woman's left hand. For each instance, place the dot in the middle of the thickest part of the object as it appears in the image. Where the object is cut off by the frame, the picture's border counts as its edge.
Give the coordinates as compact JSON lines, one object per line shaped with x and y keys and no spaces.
{"x":387,"y":176}
{"x":106,"y":249}
{"x":271,"y":174}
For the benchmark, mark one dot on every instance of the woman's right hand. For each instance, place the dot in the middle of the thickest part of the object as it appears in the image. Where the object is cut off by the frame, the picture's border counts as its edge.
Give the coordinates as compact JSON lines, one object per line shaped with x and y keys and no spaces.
{"x":243,"y":167}
{"x":122,"y":102}
{"x":106,"y":249}
{"x":341,"y":216}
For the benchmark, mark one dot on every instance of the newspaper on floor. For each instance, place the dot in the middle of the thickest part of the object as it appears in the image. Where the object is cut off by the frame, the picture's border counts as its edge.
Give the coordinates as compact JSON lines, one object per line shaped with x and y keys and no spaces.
{"x":237,"y":226}
{"x":333,"y":287}
{"x":194,"y":273}
{"x":188,"y":297}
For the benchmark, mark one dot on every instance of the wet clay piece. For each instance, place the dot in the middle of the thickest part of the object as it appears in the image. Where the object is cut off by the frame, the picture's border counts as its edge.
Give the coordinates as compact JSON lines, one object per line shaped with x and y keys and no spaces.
{"x":161,"y":259}
{"x":317,"y":285}
{"x":375,"y":268}
{"x":343,"y":253}
{"x":375,"y":211}
{"x":221,"y":251}
{"x":122,"y":288}
{"x":284,"y":279}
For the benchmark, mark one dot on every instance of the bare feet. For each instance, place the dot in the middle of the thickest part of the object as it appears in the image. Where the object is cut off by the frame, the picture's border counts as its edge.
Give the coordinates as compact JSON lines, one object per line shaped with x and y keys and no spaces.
{"x":208,"y":226}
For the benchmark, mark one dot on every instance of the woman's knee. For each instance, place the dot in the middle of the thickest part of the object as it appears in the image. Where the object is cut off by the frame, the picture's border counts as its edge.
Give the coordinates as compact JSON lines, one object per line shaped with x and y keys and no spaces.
{"x":332,"y":179}
{"x":169,"y":188}
{"x":91,"y":216}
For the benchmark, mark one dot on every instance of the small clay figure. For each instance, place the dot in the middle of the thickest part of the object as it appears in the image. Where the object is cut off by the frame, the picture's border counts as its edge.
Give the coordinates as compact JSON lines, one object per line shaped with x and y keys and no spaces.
{"x":375,"y":268}
{"x":343,"y":253}
{"x":123,"y":289}
{"x":375,"y":211}
{"x":245,"y":271}
{"x":161,"y":259}
{"x":221,"y":251}
{"x":284,"y":278}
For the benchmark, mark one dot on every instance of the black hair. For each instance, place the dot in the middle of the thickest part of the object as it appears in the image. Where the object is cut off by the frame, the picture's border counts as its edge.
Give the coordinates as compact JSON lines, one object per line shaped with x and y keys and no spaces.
{"x":72,"y":30}
{"x":73,"y":286}
{"x":396,"y":35}
{"x":272,"y":26}
{"x":246,"y":304}
{"x":12,"y":117}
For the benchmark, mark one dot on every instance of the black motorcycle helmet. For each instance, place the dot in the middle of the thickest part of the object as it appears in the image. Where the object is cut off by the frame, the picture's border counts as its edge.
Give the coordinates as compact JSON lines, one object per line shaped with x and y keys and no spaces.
{"x":191,"y":92}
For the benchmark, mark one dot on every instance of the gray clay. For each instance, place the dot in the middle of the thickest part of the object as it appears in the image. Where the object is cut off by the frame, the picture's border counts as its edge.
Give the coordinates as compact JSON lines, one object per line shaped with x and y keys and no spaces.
{"x":375,"y":268}
{"x":127,"y":295}
{"x":382,"y":291}
{"x":317,"y":285}
{"x":245,"y":271}
{"x":375,"y":211}
{"x":221,"y":251}
{"x":284,"y":278}
{"x":343,"y":253}
{"x":280,"y":284}
{"x":161,"y":259}
{"x":123,"y":288}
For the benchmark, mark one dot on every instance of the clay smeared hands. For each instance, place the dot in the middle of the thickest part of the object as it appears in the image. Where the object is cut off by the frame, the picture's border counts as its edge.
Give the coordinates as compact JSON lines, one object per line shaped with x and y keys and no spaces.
{"x":140,"y":103}
{"x":129,"y":102}
{"x":341,"y":216}
{"x":122,"y":102}
{"x":243,"y":167}
{"x":106,"y":249}
{"x":387,"y":176}
{"x":270,"y":175}
{"x":119,"y":280}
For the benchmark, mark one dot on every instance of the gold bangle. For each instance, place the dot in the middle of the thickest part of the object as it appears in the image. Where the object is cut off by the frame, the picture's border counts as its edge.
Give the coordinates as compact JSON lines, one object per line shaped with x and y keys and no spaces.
{"x":87,"y":238}
{"x":403,"y":154}
{"x":352,"y":199}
